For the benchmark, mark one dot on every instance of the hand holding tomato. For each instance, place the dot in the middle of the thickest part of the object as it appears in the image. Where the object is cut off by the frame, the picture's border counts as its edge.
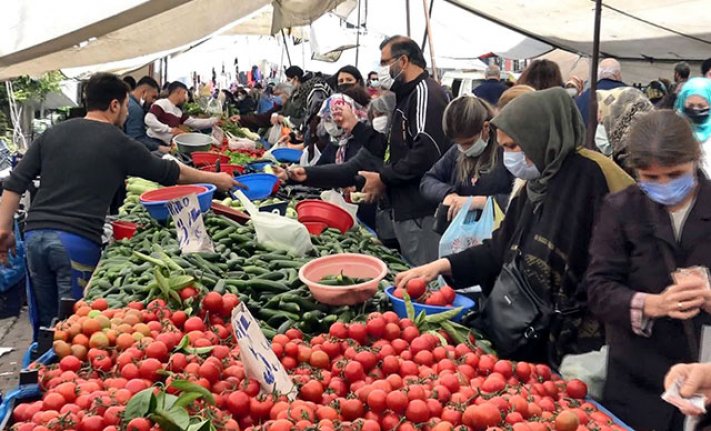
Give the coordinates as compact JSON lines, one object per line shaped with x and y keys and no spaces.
{"x":426,"y":272}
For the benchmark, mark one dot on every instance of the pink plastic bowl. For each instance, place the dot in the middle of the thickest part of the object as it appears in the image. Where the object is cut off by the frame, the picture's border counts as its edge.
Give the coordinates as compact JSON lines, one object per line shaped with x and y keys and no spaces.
{"x":352,"y":265}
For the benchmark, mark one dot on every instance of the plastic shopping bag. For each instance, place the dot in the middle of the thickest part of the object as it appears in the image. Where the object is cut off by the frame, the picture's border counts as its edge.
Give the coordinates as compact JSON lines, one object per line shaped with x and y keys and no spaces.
{"x":589,"y":367}
{"x":277,"y":232}
{"x":334,"y":197}
{"x":304,"y":161}
{"x":465,"y":231}
{"x":274,"y":134}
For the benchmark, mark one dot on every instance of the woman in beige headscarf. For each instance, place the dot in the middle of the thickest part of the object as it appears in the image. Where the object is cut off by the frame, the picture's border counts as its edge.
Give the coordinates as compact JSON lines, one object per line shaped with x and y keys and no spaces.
{"x":618,"y":109}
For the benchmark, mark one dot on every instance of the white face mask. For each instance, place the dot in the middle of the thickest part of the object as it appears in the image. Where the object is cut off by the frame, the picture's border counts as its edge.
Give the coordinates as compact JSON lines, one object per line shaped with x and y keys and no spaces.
{"x":380,"y":124}
{"x":474,"y":149}
{"x":332,"y":129}
{"x":374,"y":83}
{"x":573,"y":92}
{"x":386,"y":80}
{"x":602,"y":141}
{"x":517,"y":164}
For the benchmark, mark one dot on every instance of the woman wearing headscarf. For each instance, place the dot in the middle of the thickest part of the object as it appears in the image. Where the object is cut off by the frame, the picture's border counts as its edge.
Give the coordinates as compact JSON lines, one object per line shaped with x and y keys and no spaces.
{"x":618,"y":109}
{"x":341,"y":145}
{"x":473,"y":167}
{"x":694,"y":101}
{"x":370,"y":157}
{"x":653,"y":310}
{"x":547,"y":225}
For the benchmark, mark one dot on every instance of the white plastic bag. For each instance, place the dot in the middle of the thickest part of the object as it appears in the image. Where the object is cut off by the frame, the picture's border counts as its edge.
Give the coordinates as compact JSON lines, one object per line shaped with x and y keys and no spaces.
{"x":304,"y":161}
{"x":336,"y":198}
{"x":234,"y":143}
{"x":589,"y":367}
{"x":277,"y":232}
{"x":274,"y":134}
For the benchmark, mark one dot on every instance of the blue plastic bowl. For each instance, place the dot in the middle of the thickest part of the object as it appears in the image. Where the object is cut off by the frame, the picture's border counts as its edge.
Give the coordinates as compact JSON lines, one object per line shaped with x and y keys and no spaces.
{"x":459,"y":301}
{"x":258,"y":166}
{"x":287,"y":155}
{"x":159,"y":210}
{"x":260,"y":186}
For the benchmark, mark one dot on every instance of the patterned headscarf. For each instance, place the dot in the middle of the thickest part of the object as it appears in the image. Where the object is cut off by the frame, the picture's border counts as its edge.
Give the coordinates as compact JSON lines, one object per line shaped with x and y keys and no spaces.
{"x":338,"y":135}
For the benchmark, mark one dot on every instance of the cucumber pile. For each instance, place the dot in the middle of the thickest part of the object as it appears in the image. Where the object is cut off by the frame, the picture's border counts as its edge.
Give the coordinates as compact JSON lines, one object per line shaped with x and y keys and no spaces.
{"x":150,"y":266}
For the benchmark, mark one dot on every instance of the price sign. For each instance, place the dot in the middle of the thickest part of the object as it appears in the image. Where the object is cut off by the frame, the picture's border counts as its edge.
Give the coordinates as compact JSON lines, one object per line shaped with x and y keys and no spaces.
{"x":192,"y":235}
{"x":260,"y":362}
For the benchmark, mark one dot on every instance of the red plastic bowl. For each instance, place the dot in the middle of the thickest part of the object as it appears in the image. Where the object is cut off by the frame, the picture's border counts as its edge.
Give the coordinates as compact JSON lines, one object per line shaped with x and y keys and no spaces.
{"x":233,"y":170}
{"x":231,"y":213}
{"x":350,"y":264}
{"x":123,"y":229}
{"x":202,"y":158}
{"x":315,"y":227}
{"x":169,"y":193}
{"x":311,"y":210}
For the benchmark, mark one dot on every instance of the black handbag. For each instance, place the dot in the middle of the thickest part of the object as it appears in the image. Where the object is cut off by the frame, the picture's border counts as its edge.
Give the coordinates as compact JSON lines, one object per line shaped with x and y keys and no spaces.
{"x":514,"y":316}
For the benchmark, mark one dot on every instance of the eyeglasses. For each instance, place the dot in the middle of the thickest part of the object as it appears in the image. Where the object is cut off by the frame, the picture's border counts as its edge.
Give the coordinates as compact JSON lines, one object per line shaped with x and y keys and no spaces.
{"x":389,"y":61}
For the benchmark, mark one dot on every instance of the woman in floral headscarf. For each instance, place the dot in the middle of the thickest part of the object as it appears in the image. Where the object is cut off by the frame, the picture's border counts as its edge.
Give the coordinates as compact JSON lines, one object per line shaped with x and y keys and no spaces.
{"x":694,"y":101}
{"x":343,"y":147}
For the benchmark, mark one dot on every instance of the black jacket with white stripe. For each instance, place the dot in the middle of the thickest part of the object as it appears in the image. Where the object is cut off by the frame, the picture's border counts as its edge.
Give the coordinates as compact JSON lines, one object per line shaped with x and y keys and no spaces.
{"x":416,"y":143}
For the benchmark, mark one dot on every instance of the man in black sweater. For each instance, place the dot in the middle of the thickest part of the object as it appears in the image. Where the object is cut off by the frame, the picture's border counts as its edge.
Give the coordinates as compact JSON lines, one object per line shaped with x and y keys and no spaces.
{"x":81,"y":162}
{"x":415,"y":142}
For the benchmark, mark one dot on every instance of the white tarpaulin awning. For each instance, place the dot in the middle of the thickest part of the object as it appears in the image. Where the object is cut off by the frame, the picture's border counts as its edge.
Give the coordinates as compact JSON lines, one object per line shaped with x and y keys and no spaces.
{"x":143,"y":29}
{"x":630,"y":30}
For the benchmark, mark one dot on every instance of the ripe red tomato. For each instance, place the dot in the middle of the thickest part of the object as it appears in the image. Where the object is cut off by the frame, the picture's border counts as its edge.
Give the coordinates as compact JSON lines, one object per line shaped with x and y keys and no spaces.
{"x":397,"y":401}
{"x":417,"y":411}
{"x":576,"y":389}
{"x":312,"y":391}
{"x":139,"y":424}
{"x":566,"y":421}
{"x":416,"y":288}
{"x":352,"y":409}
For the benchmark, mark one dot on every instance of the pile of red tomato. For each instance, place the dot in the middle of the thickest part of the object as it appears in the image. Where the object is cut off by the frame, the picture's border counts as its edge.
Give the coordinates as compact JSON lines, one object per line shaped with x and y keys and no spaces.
{"x":382,"y":374}
{"x":418,"y":292}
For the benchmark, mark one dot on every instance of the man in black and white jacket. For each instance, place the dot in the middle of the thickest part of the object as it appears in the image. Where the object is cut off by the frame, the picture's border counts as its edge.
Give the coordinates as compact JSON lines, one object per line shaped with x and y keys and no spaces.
{"x":415,"y":142}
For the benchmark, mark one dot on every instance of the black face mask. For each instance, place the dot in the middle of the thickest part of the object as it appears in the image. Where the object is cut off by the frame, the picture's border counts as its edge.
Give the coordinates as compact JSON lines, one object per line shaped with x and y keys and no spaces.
{"x":344,"y":87}
{"x":697,"y":115}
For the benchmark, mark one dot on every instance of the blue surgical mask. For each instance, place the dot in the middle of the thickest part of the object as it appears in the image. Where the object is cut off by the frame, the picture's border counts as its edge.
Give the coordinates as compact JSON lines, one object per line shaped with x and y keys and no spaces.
{"x":474,"y":149}
{"x":602,"y":141}
{"x":670,"y":193}
{"x":517,"y":164}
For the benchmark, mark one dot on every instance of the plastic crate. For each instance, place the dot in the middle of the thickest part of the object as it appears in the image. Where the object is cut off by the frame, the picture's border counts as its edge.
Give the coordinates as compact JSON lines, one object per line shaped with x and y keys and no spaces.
{"x":27,"y":390}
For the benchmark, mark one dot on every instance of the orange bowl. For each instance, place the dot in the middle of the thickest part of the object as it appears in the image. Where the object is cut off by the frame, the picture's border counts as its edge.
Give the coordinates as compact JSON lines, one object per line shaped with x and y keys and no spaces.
{"x":352,"y":265}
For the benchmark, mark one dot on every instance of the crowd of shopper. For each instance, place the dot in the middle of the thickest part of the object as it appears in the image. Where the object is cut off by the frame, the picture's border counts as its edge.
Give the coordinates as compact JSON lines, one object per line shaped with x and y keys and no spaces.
{"x":598,"y":233}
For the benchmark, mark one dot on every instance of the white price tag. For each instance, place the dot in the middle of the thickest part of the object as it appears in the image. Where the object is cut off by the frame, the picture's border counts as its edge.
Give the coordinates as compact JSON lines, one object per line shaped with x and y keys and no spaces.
{"x":192,"y":235}
{"x":260,"y":362}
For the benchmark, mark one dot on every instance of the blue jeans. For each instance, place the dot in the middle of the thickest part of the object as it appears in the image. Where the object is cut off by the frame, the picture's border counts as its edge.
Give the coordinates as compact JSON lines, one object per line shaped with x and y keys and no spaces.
{"x":60,"y":265}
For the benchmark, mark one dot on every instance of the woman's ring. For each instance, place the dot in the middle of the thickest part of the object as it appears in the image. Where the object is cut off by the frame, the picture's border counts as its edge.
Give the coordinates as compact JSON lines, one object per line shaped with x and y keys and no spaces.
{"x":680,"y":306}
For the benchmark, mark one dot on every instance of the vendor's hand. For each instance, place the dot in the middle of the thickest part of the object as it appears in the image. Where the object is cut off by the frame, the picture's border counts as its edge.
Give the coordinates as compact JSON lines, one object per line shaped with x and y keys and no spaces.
{"x":235,"y":118}
{"x":175,"y":131}
{"x":345,"y":118}
{"x":374,"y":186}
{"x":280,"y":172}
{"x":696,"y":378}
{"x":165,"y":149}
{"x":283,"y":141}
{"x":426,"y":272}
{"x":224,"y":182}
{"x":295,"y":146}
{"x":679,"y":301}
{"x":219,"y":122}
{"x":297,"y":174}
{"x":7,"y":244}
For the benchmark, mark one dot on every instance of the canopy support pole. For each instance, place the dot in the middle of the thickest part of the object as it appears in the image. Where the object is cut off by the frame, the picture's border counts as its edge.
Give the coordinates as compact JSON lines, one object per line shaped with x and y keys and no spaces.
{"x":358,"y":36}
{"x":286,"y":47}
{"x":429,"y":37}
{"x":407,"y":17}
{"x":592,"y":113}
{"x":427,"y":21}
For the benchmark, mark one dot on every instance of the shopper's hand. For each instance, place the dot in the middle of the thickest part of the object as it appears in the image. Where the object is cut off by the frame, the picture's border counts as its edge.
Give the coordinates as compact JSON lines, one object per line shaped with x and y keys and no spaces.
{"x":219,"y":122}
{"x":295,"y":146}
{"x":374,"y":186}
{"x":165,"y":149}
{"x":297,"y":174}
{"x":678,"y":301}
{"x":175,"y":131}
{"x":7,"y":244}
{"x":696,"y":378}
{"x":426,"y":272}
{"x":224,"y":182}
{"x":345,"y":118}
{"x":235,"y":118}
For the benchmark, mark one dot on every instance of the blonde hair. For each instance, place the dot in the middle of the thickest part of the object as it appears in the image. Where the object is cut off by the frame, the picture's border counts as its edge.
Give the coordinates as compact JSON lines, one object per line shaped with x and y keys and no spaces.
{"x":512,"y":93}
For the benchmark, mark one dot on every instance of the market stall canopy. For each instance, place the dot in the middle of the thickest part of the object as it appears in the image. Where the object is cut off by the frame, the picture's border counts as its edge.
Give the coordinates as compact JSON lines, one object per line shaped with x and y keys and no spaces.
{"x":114,"y":31}
{"x":630,"y":30}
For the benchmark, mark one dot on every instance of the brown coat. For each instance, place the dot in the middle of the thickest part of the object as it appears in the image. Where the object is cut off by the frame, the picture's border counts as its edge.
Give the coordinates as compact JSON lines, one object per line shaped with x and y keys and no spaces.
{"x":626,"y":258}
